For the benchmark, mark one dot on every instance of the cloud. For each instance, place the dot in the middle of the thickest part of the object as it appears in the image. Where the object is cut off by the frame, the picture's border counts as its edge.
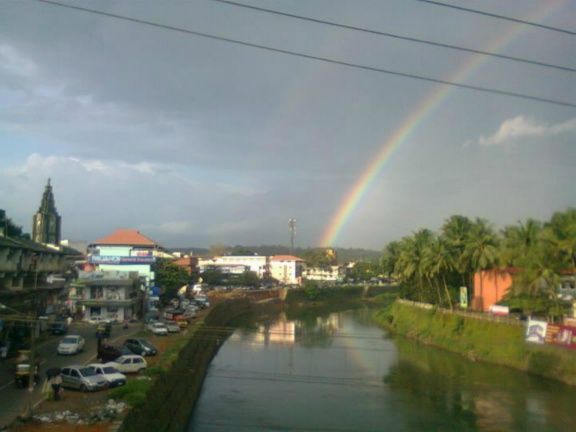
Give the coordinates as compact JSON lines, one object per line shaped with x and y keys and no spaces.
{"x":15,"y":63}
{"x":521,"y":127}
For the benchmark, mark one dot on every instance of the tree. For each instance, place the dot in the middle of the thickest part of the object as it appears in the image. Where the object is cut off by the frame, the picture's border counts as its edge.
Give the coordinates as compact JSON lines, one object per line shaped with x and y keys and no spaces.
{"x":317,"y":257}
{"x":481,"y":250}
{"x":217,"y":250}
{"x":390,"y":257}
{"x":249,"y":278}
{"x":410,"y":266}
{"x":363,"y":271}
{"x":520,"y":241}
{"x":455,"y":232}
{"x":212,"y":277}
{"x":170,"y":277}
{"x":438,"y":262}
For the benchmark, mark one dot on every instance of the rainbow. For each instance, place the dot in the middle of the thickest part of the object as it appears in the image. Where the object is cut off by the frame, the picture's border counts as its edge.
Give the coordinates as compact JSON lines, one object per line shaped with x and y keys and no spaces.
{"x":410,"y":124}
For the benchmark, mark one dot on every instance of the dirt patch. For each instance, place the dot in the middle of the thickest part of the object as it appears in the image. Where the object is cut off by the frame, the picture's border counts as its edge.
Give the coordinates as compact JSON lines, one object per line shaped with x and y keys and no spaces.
{"x":84,"y":404}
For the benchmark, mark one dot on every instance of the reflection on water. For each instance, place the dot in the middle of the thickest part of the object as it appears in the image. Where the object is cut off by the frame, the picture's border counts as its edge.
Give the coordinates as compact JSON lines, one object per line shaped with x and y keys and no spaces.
{"x":338,"y":372}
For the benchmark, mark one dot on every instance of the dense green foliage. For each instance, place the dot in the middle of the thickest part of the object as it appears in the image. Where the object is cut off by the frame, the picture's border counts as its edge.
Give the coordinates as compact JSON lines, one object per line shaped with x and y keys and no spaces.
{"x":431,"y":266}
{"x":170,"y":278}
{"x":480,"y":339}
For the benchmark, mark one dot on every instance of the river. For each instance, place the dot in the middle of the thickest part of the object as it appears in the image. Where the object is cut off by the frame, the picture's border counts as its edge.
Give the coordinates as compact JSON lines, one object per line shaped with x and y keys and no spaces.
{"x":339,"y":372}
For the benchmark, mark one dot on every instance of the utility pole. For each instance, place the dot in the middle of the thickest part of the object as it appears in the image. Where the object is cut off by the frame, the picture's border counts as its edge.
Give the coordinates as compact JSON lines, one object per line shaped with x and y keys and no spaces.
{"x":32,"y":355}
{"x":292,"y":228}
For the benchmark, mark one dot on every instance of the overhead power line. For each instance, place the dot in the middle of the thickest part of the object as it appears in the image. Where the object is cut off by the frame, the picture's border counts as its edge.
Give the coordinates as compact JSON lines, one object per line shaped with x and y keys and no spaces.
{"x":396,"y":36}
{"x":312,"y":57}
{"x":502,"y":17}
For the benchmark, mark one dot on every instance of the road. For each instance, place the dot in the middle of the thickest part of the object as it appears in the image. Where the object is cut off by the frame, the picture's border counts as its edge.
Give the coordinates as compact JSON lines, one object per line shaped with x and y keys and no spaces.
{"x":14,"y":401}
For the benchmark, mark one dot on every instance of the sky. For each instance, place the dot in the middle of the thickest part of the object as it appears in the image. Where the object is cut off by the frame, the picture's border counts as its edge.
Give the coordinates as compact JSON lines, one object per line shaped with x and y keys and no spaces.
{"x":196,"y":141}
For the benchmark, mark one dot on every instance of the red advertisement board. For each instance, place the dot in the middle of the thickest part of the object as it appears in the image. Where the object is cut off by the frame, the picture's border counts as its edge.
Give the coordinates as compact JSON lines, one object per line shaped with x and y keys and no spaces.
{"x":562,"y":335}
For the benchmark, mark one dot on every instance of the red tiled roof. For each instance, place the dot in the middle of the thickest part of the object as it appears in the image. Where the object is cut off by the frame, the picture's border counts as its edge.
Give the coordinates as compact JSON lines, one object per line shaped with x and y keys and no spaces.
{"x":128,"y":237}
{"x":285,"y":258}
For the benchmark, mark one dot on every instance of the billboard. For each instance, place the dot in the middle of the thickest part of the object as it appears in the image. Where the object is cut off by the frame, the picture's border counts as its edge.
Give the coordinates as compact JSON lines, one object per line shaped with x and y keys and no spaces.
{"x":463,"y":297}
{"x":563,"y":335}
{"x":116,"y":260}
{"x":536,"y":331}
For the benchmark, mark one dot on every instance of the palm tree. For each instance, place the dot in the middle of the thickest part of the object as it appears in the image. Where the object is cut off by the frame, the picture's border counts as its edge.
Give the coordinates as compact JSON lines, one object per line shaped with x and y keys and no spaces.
{"x":390,"y":257}
{"x":481,"y":251}
{"x":439,"y":262}
{"x":410,"y":266}
{"x":455,"y":233}
{"x":520,"y":241}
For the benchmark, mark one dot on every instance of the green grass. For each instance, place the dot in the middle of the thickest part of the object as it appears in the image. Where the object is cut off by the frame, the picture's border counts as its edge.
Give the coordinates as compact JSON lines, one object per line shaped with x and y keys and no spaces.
{"x":489,"y":341}
{"x":133,"y":393}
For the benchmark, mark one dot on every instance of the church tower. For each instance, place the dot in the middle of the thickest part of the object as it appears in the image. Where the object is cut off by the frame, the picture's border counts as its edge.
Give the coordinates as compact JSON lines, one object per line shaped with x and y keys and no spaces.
{"x":46,"y":222}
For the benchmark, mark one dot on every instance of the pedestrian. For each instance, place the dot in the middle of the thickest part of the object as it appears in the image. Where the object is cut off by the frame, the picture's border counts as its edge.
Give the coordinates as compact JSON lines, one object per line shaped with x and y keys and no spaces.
{"x":3,"y":351}
{"x":56,"y":383}
{"x":37,"y":372}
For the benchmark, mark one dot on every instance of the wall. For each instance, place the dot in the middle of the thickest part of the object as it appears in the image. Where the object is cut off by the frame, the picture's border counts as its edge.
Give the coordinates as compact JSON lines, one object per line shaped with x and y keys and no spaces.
{"x":491,"y":289}
{"x":171,"y":399}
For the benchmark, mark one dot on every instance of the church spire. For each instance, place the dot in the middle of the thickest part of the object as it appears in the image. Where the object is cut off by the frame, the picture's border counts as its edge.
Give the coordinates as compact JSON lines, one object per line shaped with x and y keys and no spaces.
{"x":46,"y":222}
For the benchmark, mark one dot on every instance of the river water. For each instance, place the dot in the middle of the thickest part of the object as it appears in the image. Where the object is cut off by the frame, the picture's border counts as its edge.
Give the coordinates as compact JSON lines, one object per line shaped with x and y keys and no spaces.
{"x":339,"y":372}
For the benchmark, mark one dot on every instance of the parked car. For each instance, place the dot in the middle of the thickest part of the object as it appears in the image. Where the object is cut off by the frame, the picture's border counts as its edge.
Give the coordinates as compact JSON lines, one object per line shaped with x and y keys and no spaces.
{"x":97,"y":319}
{"x":59,"y":328}
{"x":131,"y":363}
{"x":108,"y":353}
{"x":158,"y":328}
{"x":82,"y":378}
{"x":141,"y":347}
{"x":182,"y":322}
{"x":112,"y":375}
{"x":71,"y":344}
{"x":172,"y":327}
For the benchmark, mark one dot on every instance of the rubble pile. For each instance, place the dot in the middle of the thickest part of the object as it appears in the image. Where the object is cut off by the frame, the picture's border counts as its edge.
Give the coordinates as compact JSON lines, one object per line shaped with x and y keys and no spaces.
{"x":111,"y":411}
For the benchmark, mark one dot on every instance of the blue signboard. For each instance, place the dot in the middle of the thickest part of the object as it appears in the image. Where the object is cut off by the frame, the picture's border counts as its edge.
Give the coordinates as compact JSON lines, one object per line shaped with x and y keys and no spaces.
{"x":116,"y":260}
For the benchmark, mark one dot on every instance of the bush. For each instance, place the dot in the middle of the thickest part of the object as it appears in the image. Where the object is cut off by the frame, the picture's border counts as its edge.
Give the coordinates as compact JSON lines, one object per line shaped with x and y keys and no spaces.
{"x":133,"y":393}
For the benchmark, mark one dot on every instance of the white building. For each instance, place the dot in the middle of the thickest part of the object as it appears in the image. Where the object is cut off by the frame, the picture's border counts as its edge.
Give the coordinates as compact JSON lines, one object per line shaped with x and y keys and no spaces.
{"x":236,"y":264}
{"x":114,"y":295}
{"x":286,"y":269}
{"x":328,"y":274}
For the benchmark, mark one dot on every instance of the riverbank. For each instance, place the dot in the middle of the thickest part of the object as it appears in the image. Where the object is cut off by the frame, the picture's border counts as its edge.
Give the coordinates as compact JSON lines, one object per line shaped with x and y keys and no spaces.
{"x":496,"y":342}
{"x":167,"y":402}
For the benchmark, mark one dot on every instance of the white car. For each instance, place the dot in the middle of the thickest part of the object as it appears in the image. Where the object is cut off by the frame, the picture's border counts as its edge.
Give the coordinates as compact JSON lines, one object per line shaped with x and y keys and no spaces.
{"x":71,"y":344}
{"x":158,"y":329}
{"x":107,"y":371}
{"x":172,"y":327}
{"x":97,"y":319}
{"x":130,"y":363}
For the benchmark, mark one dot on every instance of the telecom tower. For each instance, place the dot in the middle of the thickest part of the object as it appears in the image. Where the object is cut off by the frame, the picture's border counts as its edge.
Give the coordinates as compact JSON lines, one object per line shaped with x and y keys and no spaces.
{"x":292,"y":228}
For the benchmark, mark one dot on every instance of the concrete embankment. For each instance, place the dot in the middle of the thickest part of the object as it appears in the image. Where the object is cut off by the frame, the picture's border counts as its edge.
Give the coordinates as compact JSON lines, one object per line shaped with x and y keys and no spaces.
{"x":173,"y":395}
{"x":492,"y":341}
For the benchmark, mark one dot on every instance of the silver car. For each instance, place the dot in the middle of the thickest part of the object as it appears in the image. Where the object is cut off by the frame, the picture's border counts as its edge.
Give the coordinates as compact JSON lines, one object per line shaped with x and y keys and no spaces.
{"x":71,"y":344}
{"x":82,"y":378}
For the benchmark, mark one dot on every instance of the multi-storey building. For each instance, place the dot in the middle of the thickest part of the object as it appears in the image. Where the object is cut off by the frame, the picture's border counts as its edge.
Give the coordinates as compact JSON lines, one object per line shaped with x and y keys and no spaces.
{"x":111,"y":295}
{"x":125,"y":250}
{"x":286,"y":269}
{"x":327,"y":274}
{"x":236,"y":264}
{"x":27,"y":280}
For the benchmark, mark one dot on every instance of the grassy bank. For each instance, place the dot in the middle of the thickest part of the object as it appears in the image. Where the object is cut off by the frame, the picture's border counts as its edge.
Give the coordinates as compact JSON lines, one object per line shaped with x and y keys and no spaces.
{"x":165,"y":402}
{"x":482,"y":340}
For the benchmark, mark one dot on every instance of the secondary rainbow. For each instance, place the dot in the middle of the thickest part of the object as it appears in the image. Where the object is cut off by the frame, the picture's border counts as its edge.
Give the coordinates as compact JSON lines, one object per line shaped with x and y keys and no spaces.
{"x":424,"y":109}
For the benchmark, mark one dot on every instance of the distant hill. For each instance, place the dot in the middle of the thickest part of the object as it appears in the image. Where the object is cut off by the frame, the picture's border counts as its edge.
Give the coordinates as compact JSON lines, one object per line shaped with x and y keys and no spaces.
{"x":344,"y":254}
